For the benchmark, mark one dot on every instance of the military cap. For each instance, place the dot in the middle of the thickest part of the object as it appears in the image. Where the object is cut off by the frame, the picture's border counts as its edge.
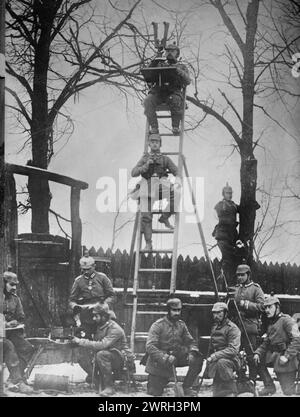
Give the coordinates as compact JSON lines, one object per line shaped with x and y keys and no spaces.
{"x":86,"y":262}
{"x":271,"y":300}
{"x":174,"y":47}
{"x":174,"y":303}
{"x":10,"y":277}
{"x":154,"y":136}
{"x":101,"y":308}
{"x":242,"y":269}
{"x":227,"y":189}
{"x":219,"y":306}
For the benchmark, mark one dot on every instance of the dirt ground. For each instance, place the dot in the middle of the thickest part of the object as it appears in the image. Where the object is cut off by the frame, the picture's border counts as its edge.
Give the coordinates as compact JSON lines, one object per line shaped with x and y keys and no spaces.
{"x":78,"y":387}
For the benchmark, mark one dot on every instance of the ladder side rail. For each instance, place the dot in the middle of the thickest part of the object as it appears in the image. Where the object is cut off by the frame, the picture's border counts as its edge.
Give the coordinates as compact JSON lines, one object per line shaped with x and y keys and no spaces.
{"x":177,"y":215}
{"x":135,"y":281}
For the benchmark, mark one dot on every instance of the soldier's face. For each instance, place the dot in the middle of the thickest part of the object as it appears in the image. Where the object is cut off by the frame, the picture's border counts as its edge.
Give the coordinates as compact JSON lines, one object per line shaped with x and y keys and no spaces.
{"x":11,"y":287}
{"x":270,"y":311}
{"x":99,"y":319}
{"x":171,"y":54}
{"x":227,"y":195}
{"x":175,"y":313}
{"x":242,"y":278}
{"x":154,"y":145}
{"x":218,"y":316}
{"x":88,"y":272}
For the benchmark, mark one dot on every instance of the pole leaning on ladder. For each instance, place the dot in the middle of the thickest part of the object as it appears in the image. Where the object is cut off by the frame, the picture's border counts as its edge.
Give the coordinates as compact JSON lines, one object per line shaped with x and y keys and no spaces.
{"x":201,"y":231}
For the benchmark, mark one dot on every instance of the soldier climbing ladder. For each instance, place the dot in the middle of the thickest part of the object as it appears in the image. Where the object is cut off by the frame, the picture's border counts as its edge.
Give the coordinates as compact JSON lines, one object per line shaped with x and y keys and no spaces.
{"x":161,"y":74}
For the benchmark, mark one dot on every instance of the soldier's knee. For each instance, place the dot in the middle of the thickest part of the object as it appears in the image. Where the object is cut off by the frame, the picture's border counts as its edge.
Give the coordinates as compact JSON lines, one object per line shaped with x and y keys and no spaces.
{"x":149,"y":102}
{"x":146,"y":218}
{"x":103,"y":355}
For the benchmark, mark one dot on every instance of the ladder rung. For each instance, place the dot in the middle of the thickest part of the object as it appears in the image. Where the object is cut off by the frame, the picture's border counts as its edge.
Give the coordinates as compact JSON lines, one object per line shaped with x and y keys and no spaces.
{"x":152,"y":312}
{"x":169,"y":134}
{"x":171,"y":153}
{"x":140,"y":336}
{"x":157,"y":251}
{"x":155,"y":270}
{"x":162,"y":107}
{"x":164,"y":117}
{"x":162,"y":231}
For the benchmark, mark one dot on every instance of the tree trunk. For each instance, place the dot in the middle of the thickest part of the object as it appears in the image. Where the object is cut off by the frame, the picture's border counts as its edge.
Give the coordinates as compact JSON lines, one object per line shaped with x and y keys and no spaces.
{"x":248,"y":171}
{"x":39,"y":191}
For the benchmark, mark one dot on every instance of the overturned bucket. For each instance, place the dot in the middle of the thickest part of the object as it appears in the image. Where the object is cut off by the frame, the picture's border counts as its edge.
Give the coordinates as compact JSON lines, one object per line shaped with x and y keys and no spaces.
{"x":51,"y":382}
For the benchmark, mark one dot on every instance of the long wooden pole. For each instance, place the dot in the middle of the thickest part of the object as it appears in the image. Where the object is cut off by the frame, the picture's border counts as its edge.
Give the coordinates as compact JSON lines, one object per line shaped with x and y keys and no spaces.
{"x":199,"y":225}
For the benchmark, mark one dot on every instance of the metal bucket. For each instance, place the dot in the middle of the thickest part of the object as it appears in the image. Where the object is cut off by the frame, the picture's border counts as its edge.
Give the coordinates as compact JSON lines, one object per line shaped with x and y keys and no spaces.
{"x":51,"y":382}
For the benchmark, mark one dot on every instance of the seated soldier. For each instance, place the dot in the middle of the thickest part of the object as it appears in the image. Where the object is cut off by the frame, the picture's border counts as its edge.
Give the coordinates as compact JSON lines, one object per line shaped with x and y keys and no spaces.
{"x":108,"y":348}
{"x":17,"y":351}
{"x":89,"y":288}
{"x":170,"y":344}
{"x":223,"y":360}
{"x":154,"y":168}
{"x":280,"y":348}
{"x":170,"y":92}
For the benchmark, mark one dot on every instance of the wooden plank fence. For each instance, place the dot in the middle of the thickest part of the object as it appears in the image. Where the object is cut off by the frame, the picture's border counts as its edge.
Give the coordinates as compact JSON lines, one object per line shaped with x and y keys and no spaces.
{"x":193,"y":273}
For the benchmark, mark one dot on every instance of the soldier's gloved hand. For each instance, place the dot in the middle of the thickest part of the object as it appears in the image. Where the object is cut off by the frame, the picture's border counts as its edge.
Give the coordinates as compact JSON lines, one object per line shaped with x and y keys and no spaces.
{"x":210,"y":359}
{"x":191,"y":357}
{"x":150,"y":162}
{"x":242,"y":303}
{"x":171,"y":360}
{"x":283,"y":360}
{"x":256,"y":359}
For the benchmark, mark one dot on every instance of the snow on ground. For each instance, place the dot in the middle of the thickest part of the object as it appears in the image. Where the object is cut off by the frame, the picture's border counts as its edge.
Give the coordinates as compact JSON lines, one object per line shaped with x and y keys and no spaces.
{"x":78,"y":387}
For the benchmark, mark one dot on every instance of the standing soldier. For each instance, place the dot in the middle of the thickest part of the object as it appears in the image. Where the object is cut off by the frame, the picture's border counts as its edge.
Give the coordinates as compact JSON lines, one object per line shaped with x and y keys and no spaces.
{"x":170,"y":92}
{"x":280,"y":348}
{"x":17,"y":351}
{"x":109,"y":348}
{"x":89,"y":288}
{"x":225,"y":231}
{"x":170,"y":344}
{"x":154,"y":168}
{"x":249,"y":299}
{"x":224,"y":358}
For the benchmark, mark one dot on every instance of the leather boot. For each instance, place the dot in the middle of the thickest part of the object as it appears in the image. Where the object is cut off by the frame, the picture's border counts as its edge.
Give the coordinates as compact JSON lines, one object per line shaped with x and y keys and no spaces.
{"x":166,"y":222}
{"x":267,"y":390}
{"x":109,"y":389}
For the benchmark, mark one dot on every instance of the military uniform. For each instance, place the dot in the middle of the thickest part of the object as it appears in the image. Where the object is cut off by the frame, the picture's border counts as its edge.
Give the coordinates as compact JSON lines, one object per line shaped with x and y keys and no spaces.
{"x":89,"y":290}
{"x":109,"y":348}
{"x":155,"y":186}
{"x":166,"y":337}
{"x":170,"y":93}
{"x":283,"y":338}
{"x":225,"y":345}
{"x":250,"y":311}
{"x":17,"y":350}
{"x":226,"y":234}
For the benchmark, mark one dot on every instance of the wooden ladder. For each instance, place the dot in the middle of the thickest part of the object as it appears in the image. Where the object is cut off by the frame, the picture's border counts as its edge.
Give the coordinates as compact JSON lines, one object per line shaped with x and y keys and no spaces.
{"x":137,"y":238}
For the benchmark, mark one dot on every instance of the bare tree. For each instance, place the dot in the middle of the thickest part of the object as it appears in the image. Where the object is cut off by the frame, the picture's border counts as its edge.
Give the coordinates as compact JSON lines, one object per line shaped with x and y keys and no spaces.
{"x":249,"y":54}
{"x":56,"y":49}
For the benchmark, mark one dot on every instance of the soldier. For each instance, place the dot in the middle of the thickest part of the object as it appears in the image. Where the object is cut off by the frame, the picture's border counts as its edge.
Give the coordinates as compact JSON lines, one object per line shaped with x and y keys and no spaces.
{"x":169,"y":344}
{"x":17,"y":351}
{"x":225,"y":231}
{"x":280,"y":348}
{"x":89,"y":288}
{"x":109,"y":348}
{"x":249,"y":299}
{"x":170,"y":92}
{"x":224,"y":359}
{"x":154,"y":169}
